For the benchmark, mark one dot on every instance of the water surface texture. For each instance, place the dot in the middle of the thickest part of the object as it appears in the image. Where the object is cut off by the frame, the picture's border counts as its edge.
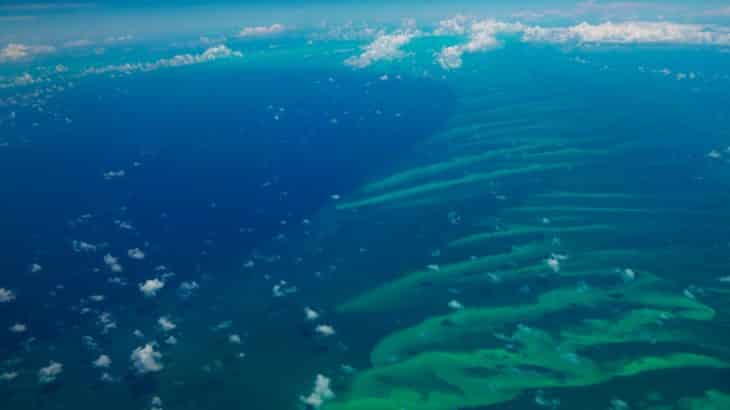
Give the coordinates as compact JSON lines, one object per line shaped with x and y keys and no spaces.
{"x":350,"y":206}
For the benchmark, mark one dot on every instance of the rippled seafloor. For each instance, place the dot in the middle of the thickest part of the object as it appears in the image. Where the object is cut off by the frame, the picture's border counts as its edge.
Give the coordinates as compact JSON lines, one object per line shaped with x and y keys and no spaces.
{"x":530,"y":231}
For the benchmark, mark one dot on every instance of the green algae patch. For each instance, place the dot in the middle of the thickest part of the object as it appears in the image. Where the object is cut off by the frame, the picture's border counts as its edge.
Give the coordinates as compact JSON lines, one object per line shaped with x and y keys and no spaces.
{"x":437,"y":187}
{"x":527,"y":231}
{"x":446,"y":333}
{"x":444,"y":381}
{"x":400,"y":291}
{"x":433,"y":170}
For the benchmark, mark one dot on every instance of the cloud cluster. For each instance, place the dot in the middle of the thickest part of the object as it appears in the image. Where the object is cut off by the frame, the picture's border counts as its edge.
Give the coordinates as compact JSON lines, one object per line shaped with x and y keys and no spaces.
{"x":210,"y":54}
{"x":16,"y":52}
{"x":261,"y":31}
{"x":482,"y":35}
{"x":321,"y":392}
{"x":49,"y":373}
{"x":629,"y":33}
{"x":146,"y":359}
{"x":385,"y":47}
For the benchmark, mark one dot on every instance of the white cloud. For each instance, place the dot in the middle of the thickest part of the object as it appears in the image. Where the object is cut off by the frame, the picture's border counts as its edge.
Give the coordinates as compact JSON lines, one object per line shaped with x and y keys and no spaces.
{"x":49,"y":373}
{"x":187,"y":289}
{"x":235,"y":339}
{"x":261,"y":31}
{"x":310,"y":313}
{"x":456,"y":305}
{"x":81,"y":246}
{"x":385,"y":47}
{"x":102,"y":362}
{"x":18,"y":328}
{"x":146,"y":359}
{"x":166,"y":324}
{"x":634,"y":32}
{"x":114,"y":174}
{"x":106,"y":322}
{"x":282,"y":289}
{"x":210,"y":54}
{"x":150,"y":287}
{"x":135,"y":253}
{"x":35,"y":268}
{"x":171,"y":340}
{"x":456,"y":25}
{"x":17,"y":52}
{"x":112,"y":263}
{"x":6,"y":295}
{"x":321,"y":392}
{"x":325,"y":330}
{"x":8,"y":376}
{"x":482,"y":37}
{"x":553,"y":263}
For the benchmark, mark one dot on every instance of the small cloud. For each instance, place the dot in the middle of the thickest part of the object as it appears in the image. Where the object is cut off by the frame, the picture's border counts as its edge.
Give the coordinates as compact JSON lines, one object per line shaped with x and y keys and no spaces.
{"x":553,"y":263}
{"x":49,"y":373}
{"x":187,"y":289}
{"x":456,"y":305}
{"x":135,"y":253}
{"x":81,"y":246}
{"x":146,"y":359}
{"x":310,"y":313}
{"x":325,"y":330}
{"x":18,"y":328}
{"x":112,"y":263}
{"x":35,"y":268}
{"x":166,"y":324}
{"x":109,"y":175}
{"x":321,"y":393}
{"x":282,"y":289}
{"x":8,"y":376}
{"x":261,"y":31}
{"x":171,"y":340}
{"x":235,"y":339}
{"x":102,"y":362}
{"x":150,"y":287}
{"x":6,"y":295}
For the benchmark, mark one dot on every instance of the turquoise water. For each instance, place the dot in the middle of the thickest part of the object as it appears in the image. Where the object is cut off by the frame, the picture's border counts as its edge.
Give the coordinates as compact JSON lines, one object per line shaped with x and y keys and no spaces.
{"x":544,"y":226}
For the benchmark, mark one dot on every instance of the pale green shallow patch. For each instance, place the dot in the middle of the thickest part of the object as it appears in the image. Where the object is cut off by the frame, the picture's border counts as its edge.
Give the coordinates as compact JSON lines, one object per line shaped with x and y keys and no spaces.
{"x":400,"y":291}
{"x":447,"y":332}
{"x":524,"y":231}
{"x":435,"y":188}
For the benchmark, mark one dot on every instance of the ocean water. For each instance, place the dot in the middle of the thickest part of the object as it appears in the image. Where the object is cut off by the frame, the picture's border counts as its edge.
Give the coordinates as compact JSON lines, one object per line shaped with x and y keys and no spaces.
{"x":545,"y":226}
